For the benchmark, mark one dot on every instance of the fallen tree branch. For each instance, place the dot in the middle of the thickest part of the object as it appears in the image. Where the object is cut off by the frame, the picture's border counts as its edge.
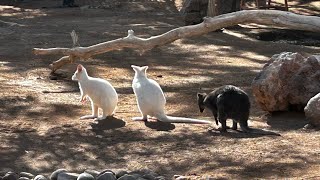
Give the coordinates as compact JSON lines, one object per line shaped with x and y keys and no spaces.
{"x":263,"y":17}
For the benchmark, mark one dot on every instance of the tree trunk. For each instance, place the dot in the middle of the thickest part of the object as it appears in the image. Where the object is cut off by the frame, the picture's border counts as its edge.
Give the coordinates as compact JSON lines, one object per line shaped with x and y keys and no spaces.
{"x":68,"y":3}
{"x":212,"y":11}
{"x":264,"y":17}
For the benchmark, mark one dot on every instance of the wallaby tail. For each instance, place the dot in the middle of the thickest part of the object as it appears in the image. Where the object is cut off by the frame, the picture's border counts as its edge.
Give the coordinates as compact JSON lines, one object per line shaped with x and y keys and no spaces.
{"x":259,"y":131}
{"x":172,"y":119}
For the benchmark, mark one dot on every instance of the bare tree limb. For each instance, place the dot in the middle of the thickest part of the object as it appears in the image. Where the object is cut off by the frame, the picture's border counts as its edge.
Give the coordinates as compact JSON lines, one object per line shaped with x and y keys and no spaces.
{"x":61,"y":62}
{"x":263,"y":17}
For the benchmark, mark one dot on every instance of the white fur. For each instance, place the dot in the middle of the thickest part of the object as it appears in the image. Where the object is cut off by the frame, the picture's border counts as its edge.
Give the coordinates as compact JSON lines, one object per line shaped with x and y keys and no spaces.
{"x":100,"y":92}
{"x":151,"y":100}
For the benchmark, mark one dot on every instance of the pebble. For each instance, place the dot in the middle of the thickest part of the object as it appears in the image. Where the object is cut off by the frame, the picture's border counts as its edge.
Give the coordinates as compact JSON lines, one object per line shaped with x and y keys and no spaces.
{"x":85,"y":176}
{"x":160,"y":178}
{"x":127,"y":177}
{"x":54,"y":175}
{"x":94,"y":173}
{"x":135,"y":175}
{"x":67,"y":176}
{"x":308,"y":126}
{"x":106,"y":170}
{"x":149,"y":177}
{"x":106,"y":176}
{"x":182,"y":178}
{"x":10,"y":176}
{"x":26,"y":174}
{"x":23,"y":178}
{"x":40,"y":177}
{"x":120,"y":173}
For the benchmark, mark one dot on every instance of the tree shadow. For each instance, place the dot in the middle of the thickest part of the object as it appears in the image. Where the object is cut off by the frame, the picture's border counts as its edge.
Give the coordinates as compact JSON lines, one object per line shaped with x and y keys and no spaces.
{"x":237,"y":134}
{"x":286,"y":121}
{"x":29,"y":107}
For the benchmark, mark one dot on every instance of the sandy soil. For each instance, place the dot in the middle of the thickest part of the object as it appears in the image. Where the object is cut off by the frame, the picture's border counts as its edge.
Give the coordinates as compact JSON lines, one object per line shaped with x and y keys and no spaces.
{"x":40,"y":132}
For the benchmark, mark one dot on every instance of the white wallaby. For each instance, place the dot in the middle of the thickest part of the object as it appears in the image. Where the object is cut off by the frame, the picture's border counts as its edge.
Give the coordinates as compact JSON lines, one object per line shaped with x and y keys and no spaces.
{"x":100,"y":92}
{"x":151,"y":100}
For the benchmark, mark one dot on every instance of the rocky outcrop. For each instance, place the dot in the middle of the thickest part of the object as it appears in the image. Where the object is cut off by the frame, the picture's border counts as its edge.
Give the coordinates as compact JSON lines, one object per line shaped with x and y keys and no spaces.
{"x":287,"y":82}
{"x":312,"y":110}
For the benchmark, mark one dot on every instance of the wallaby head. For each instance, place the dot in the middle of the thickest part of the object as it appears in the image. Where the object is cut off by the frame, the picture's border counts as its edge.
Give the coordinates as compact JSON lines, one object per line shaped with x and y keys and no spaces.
{"x":80,"y":72}
{"x":201,"y":97}
{"x":140,"y":71}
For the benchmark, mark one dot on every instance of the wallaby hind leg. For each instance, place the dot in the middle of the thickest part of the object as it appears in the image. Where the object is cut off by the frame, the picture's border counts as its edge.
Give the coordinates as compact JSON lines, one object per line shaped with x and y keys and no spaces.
{"x":244,"y":126}
{"x":104,"y":115}
{"x":106,"y":111}
{"x":223,"y":120}
{"x":94,"y":112}
{"x":234,"y":125}
{"x":215,"y":118}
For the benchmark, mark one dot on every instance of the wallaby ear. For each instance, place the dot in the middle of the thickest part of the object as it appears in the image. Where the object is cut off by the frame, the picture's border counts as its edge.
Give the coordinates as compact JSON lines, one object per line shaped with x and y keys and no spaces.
{"x":201,"y":95}
{"x":144,"y":68}
{"x":135,"y":68}
{"x":79,"y":68}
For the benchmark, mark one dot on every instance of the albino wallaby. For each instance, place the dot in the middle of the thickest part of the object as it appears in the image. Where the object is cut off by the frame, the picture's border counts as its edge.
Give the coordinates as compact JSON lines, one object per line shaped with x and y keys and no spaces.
{"x":100,"y":92}
{"x":151,"y":100}
{"x":229,"y":102}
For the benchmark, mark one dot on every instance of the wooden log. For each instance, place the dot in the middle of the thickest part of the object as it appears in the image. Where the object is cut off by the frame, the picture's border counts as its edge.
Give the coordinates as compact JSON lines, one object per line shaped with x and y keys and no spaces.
{"x":263,"y":17}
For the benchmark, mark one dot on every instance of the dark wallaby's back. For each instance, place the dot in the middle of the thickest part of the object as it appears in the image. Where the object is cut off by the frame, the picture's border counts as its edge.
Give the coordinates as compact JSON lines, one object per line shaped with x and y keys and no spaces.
{"x":228,"y":102}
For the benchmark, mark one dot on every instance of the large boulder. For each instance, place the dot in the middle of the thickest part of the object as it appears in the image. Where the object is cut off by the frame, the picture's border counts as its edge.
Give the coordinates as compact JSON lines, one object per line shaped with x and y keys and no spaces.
{"x":287,"y":82}
{"x":312,"y":110}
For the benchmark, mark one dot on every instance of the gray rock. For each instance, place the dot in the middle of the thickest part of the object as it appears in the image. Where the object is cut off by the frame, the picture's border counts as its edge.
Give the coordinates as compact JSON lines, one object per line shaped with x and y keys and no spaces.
{"x":106,"y":176}
{"x":85,"y":176}
{"x":120,"y":173}
{"x":23,"y":178}
{"x":94,"y":173}
{"x":127,"y":177}
{"x":160,"y":178}
{"x":67,"y":176}
{"x":54,"y":175}
{"x":149,"y":177}
{"x":106,"y":170}
{"x":309,"y":126}
{"x":182,"y":178}
{"x":312,"y":110}
{"x":40,"y":177}
{"x":287,"y":82}
{"x":26,"y":174}
{"x":10,"y":176}
{"x":135,"y":175}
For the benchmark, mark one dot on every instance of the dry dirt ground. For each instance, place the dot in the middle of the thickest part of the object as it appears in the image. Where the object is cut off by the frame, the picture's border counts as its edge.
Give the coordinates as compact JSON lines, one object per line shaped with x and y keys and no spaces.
{"x":40,"y":132}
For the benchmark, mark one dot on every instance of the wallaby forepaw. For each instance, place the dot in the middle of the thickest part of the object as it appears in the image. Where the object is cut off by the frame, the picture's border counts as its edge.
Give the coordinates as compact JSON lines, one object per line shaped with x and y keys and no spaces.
{"x":83,"y":101}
